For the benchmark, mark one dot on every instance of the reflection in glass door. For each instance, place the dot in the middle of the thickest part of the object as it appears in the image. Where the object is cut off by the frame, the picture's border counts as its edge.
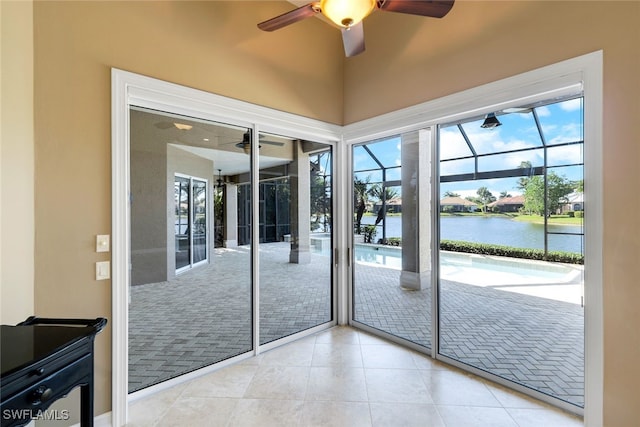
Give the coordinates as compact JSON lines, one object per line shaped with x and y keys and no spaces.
{"x":179,"y":323}
{"x":191,"y":222}
{"x":199,"y":221}
{"x":296,"y":236}
{"x":182,"y":236}
{"x":392,"y":237}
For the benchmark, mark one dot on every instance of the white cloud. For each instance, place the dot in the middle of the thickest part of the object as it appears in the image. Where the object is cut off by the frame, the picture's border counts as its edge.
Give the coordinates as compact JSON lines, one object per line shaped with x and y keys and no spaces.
{"x":452,"y":144}
{"x":513,"y":160}
{"x":398,"y":160}
{"x":513,"y":144}
{"x":457,"y":167}
{"x":543,"y":111}
{"x":495,"y":185}
{"x":570,"y":132}
{"x":548,"y":128}
{"x":467,"y":193}
{"x":565,"y":154}
{"x":494,"y":189}
{"x":571,"y":105}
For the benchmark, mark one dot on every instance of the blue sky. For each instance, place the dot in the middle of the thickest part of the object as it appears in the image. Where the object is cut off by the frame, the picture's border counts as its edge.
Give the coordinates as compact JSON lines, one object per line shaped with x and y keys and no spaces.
{"x":560,"y":122}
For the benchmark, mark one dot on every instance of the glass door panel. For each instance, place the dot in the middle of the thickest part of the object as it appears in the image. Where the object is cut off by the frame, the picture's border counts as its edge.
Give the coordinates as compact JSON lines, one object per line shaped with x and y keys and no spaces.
{"x":510,"y":264}
{"x":296,"y":233}
{"x":191,"y":222}
{"x":182,"y":322}
{"x":182,"y":234}
{"x":392,"y":236}
{"x":200,"y":218}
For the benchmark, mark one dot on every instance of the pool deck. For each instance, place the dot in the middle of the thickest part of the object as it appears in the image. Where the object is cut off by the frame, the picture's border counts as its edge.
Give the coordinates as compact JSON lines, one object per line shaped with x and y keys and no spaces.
{"x":527,"y":333}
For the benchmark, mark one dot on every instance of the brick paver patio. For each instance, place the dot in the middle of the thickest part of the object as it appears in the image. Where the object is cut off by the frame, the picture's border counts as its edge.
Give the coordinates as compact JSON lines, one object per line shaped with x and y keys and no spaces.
{"x":204,"y":316}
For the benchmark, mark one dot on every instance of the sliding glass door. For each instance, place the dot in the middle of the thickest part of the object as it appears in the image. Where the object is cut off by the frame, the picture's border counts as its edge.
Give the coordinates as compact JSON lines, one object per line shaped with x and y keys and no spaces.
{"x":505,"y":235}
{"x":511,"y":247}
{"x":296,"y":236}
{"x":192,"y":222}
{"x":191,"y":293}
{"x":200,"y":220}
{"x":391,"y":236}
{"x":182,"y":190}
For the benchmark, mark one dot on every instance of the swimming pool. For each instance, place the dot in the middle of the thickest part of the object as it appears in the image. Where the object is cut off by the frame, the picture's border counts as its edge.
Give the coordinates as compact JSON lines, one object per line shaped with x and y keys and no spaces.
{"x":476,"y":269}
{"x":560,"y":282}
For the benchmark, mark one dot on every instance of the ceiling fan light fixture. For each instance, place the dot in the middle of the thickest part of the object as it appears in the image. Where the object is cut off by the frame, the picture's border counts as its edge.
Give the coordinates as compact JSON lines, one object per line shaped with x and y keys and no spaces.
{"x":346,"y":13}
{"x":220,"y":181}
{"x":246,"y":147}
{"x":490,"y":121}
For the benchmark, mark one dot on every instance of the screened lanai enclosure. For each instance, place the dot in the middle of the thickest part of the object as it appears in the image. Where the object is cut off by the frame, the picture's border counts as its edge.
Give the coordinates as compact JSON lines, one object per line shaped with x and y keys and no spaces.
{"x":468,"y":243}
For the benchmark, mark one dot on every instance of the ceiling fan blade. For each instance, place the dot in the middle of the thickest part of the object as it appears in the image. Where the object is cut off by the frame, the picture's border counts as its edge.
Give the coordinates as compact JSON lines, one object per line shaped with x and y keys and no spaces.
{"x":276,"y":143}
{"x":246,"y":140}
{"x":289,"y":18}
{"x":434,"y":9}
{"x":353,"y":39}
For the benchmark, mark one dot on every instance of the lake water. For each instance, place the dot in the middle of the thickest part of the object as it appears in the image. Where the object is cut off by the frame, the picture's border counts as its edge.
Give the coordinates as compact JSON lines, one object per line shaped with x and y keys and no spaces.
{"x":495,"y":230}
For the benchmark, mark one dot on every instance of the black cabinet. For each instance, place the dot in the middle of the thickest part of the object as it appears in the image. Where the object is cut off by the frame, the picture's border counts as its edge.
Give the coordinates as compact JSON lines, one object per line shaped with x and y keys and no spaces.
{"x":43,"y":359}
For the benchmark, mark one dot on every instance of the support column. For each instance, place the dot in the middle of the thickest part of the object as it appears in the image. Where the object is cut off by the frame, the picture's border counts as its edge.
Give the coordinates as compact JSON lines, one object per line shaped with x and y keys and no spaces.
{"x":416,"y":210}
{"x":300,"y":217}
{"x":231,"y":215}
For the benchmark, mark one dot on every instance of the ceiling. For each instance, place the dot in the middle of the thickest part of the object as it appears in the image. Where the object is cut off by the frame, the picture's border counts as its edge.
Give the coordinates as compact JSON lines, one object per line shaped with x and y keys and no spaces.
{"x":210,"y":140}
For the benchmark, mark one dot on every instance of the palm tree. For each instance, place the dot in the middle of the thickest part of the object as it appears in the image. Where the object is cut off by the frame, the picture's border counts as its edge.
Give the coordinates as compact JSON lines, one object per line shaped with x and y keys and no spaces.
{"x":384,"y":196}
{"x":360,"y":200}
{"x":522,"y":182}
{"x":485,"y":197}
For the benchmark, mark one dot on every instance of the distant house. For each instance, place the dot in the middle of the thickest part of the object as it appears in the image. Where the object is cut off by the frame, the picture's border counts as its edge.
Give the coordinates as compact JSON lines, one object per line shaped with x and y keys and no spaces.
{"x":575,"y":202}
{"x":457,"y":204}
{"x":393,"y":206}
{"x":507,"y":204}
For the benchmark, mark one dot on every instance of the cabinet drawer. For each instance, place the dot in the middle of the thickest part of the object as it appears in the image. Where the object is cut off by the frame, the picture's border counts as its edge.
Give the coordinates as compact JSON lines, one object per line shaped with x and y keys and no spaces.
{"x":41,"y":394}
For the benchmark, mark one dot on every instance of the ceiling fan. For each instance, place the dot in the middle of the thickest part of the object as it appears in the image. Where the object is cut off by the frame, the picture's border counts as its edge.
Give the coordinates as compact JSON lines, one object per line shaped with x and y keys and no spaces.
{"x":348,"y":15}
{"x":245,"y":144}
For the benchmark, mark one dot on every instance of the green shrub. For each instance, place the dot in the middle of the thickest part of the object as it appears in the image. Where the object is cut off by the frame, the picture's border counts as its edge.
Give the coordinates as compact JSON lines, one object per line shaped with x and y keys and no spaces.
{"x":369,"y":232}
{"x":508,"y":251}
{"x":394,"y":241}
{"x":571,"y":214}
{"x":579,"y":214}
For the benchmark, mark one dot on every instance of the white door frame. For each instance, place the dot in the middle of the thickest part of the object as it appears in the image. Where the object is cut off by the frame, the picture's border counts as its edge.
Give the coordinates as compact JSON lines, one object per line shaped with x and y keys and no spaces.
{"x":132,"y":89}
{"x":129,"y":89}
{"x":583,"y":73}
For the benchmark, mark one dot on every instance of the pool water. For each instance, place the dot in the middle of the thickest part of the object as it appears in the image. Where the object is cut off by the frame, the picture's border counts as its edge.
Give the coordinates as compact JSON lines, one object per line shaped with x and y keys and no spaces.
{"x":476,"y":269}
{"x":481,"y":270}
{"x":560,"y":282}
{"x":383,"y":256}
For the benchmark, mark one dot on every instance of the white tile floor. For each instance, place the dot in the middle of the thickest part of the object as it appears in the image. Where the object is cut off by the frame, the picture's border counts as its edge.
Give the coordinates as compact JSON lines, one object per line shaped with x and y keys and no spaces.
{"x":343,"y":377}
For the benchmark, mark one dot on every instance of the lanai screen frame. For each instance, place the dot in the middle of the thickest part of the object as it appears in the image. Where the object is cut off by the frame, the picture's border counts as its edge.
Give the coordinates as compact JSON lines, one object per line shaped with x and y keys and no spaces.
{"x":543,"y":170}
{"x":383,"y":181}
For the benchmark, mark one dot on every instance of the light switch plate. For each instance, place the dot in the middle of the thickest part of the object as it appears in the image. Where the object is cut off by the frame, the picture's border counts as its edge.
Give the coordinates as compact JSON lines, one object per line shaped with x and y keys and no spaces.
{"x":102,"y":243}
{"x":103,"y":270}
